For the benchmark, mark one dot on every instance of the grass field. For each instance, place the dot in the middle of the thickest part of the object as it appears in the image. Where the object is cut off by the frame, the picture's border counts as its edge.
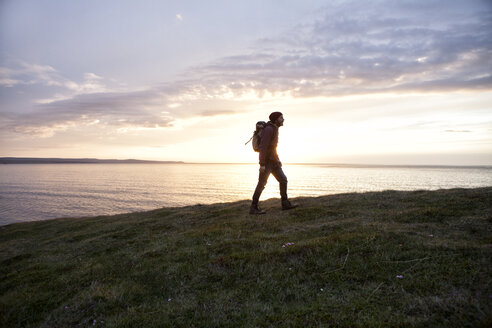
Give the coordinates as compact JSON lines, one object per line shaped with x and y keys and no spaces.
{"x":380,"y":259}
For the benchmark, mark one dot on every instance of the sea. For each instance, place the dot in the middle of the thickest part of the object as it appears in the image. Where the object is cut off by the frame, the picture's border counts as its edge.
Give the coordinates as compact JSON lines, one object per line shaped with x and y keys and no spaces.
{"x":32,"y":192}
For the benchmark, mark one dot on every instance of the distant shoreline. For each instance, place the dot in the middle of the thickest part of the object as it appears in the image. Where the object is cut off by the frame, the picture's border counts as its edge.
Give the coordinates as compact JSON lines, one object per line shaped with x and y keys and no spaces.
{"x":34,"y":160}
{"x":30,"y":160}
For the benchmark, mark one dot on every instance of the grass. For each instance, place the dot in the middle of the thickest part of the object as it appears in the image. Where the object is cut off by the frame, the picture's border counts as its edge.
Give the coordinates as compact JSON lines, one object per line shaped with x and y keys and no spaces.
{"x":380,"y":259}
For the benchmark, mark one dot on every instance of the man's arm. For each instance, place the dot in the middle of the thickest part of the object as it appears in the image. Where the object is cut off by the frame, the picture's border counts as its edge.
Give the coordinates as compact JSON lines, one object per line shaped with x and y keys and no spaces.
{"x":266,"y":139}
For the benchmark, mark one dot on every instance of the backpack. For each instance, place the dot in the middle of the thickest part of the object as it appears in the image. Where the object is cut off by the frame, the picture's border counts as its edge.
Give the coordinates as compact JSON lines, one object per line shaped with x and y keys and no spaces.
{"x":260,"y":125}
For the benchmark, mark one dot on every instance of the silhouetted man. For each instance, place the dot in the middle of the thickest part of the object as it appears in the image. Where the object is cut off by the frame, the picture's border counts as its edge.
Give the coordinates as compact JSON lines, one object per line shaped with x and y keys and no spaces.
{"x":270,"y":163}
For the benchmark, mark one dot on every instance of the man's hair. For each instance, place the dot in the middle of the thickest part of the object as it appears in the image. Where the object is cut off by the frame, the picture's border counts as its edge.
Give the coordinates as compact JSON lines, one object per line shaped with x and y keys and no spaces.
{"x":273,"y":116}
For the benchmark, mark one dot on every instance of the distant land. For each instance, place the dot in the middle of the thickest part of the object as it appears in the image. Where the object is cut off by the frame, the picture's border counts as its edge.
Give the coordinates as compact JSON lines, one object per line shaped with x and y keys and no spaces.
{"x":31,"y":160}
{"x":36,"y":160}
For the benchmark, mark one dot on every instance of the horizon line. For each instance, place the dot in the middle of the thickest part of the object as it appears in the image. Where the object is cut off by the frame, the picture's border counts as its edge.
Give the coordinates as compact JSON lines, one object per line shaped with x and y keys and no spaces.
{"x":129,"y":160}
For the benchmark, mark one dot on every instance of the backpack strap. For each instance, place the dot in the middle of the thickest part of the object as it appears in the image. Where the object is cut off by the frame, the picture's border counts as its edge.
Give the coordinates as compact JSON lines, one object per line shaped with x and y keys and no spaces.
{"x":249,"y":140}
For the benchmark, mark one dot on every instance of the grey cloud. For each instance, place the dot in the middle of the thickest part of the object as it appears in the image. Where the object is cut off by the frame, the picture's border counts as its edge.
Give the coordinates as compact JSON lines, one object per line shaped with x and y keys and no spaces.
{"x":350,"y":48}
{"x":359,"y":47}
{"x":117,"y":109}
{"x":217,"y":112}
{"x":448,"y":84}
{"x":24,"y":73}
{"x":149,"y":108}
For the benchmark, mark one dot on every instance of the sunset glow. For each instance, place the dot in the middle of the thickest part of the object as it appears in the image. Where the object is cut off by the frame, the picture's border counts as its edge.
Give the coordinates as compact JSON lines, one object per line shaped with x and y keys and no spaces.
{"x":383,"y":82}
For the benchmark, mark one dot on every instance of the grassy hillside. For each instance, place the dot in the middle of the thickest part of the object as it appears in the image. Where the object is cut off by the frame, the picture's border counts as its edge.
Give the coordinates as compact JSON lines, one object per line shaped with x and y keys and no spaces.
{"x":384,"y":259}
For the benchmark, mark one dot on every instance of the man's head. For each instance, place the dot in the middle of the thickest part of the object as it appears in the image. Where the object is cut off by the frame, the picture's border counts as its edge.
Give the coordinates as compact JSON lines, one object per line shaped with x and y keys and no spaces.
{"x":277,"y":118}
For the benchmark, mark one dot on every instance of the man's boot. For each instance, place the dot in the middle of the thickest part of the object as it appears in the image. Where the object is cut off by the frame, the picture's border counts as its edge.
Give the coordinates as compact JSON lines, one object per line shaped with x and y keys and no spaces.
{"x":254,"y":209}
{"x":287,"y":205}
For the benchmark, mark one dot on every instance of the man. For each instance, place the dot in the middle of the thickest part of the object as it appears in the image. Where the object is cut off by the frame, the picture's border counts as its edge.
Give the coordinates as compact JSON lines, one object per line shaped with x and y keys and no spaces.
{"x":270,"y":163}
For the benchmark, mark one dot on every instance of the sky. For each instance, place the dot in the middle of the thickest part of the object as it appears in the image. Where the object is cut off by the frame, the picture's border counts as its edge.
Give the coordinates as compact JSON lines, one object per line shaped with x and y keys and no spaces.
{"x":366,"y":82}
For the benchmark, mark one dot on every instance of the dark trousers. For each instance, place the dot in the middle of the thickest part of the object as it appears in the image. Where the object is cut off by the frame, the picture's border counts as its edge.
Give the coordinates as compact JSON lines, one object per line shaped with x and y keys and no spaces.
{"x":278,"y":173}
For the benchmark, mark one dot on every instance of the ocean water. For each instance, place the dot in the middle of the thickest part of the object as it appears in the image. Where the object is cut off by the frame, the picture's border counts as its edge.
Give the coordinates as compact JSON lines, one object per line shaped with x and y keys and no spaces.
{"x":30,"y":192}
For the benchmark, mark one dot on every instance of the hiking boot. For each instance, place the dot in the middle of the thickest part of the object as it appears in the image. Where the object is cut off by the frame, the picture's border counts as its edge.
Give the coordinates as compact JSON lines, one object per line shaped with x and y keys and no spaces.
{"x":287,"y":205}
{"x":254,"y":209}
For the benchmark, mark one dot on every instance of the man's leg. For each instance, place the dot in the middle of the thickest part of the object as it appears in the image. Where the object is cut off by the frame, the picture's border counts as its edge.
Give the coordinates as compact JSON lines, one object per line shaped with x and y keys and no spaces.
{"x":262,"y":181}
{"x":279,"y":174}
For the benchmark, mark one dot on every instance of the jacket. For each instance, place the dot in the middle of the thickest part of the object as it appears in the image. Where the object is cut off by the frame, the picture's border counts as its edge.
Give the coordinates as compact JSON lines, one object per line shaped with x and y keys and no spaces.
{"x":268,"y":145}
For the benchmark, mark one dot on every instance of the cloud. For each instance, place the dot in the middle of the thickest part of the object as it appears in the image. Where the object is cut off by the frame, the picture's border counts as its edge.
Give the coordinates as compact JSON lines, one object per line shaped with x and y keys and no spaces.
{"x":25,"y":73}
{"x":360,"y":48}
{"x":106,"y":109}
{"x":349,"y":48}
{"x":22,"y":73}
{"x":92,"y":76}
{"x":458,"y":131}
{"x":7,"y":79}
{"x":217,"y":112}
{"x":158,"y":107}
